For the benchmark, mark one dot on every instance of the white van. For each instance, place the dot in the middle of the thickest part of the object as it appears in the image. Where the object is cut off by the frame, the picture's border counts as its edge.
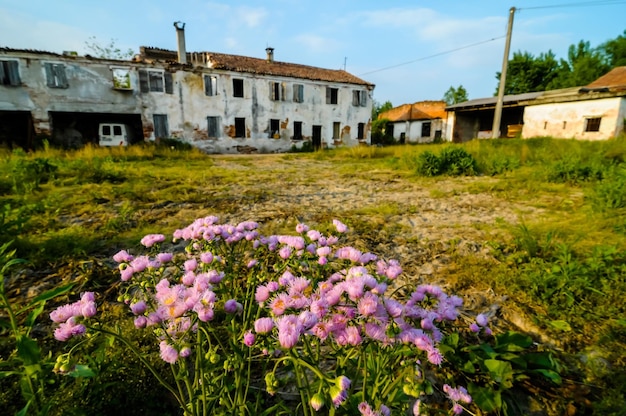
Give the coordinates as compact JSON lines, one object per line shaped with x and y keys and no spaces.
{"x":114,"y":134}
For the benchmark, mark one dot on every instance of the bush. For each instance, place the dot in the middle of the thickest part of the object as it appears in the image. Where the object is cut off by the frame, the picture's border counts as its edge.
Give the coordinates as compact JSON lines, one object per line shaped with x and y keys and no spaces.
{"x":453,"y":161}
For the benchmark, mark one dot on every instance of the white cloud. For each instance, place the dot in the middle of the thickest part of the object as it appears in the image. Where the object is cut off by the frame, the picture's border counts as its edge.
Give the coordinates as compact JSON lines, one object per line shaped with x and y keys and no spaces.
{"x":252,"y":17}
{"x":315,"y":43}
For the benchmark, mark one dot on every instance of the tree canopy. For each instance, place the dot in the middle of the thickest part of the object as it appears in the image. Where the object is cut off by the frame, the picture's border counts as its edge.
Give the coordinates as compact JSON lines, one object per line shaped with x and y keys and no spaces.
{"x":584,"y":64}
{"x":107,"y":51}
{"x":455,"y":95}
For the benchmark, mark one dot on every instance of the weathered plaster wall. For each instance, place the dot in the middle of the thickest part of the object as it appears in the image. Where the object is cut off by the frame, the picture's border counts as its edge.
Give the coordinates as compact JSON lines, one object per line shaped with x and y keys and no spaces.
{"x":568,"y":119}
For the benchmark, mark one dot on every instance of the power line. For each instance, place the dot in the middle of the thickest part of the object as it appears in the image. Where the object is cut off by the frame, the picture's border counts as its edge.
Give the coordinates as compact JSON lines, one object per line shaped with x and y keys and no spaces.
{"x":432,"y":56}
{"x":579,"y":4}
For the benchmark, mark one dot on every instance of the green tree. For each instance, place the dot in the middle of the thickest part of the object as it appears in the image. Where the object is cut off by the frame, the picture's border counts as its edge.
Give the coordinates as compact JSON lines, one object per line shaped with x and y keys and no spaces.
{"x":379,"y":126}
{"x":379,"y":108}
{"x":584,"y":65}
{"x":615,"y":51}
{"x":527,"y":73}
{"x":455,"y":95}
{"x":107,"y":51}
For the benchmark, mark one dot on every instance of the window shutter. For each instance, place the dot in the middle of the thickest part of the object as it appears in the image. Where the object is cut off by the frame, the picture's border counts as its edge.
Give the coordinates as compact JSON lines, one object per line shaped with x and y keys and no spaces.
{"x":363,"y":98}
{"x":49,"y":75}
{"x":2,"y":75}
{"x":61,"y":76}
{"x":328,"y":95}
{"x":169,"y":83}
{"x":301,"y":94}
{"x":14,"y":74}
{"x":143,"y":81}
{"x":355,"y":98}
{"x":207,"y":85}
{"x":283,"y":91}
{"x":272,"y":96}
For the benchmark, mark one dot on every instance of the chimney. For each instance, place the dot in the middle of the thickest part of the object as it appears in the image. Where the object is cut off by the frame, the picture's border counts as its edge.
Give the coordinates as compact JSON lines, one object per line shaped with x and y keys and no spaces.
{"x":270,"y":54}
{"x":180,"y":35}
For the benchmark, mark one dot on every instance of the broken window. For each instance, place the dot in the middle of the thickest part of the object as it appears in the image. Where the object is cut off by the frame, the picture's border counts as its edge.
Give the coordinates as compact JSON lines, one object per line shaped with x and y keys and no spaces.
{"x":210,"y":85}
{"x":9,"y":73}
{"x":161,"y":128}
{"x":298,"y":93}
{"x":274,"y":129}
{"x":240,"y":127}
{"x":426,"y":129}
{"x":155,"y":81}
{"x":55,"y":75}
{"x":277,"y":91}
{"x":592,"y":124}
{"x":238,"y":87}
{"x":121,"y":78}
{"x":361,"y":131}
{"x":336,"y":127}
{"x":297,"y":130}
{"x":213,"y":127}
{"x":331,"y":95}
{"x":359,"y":98}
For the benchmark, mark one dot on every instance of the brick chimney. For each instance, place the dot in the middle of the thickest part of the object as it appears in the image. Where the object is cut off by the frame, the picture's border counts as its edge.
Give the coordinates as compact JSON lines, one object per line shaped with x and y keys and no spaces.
{"x":180,"y":35}
{"x":270,"y":54}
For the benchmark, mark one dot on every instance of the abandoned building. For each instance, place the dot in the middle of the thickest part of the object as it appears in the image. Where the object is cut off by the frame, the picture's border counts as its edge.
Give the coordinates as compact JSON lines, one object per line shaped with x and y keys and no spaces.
{"x":592,"y":112}
{"x":421,"y":122}
{"x":217,"y":102}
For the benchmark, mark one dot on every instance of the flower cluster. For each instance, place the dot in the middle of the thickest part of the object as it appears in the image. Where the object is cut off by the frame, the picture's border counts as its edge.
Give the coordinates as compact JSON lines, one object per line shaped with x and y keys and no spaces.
{"x":68,"y":316}
{"x":366,"y":410}
{"x":481,"y":324}
{"x":457,"y":395}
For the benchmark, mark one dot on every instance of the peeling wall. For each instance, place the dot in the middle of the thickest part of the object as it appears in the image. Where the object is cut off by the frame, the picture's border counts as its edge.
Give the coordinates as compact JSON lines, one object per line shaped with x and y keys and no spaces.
{"x":568,"y":119}
{"x":90,"y":89}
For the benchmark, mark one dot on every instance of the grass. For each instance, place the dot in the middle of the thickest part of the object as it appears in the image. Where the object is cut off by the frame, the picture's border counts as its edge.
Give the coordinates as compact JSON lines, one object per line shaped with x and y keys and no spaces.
{"x":562,"y":270}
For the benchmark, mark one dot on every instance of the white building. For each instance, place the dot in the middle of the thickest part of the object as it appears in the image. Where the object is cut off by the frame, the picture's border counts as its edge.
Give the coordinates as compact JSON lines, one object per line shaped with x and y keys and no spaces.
{"x":218,"y":102}
{"x":420,"y":122}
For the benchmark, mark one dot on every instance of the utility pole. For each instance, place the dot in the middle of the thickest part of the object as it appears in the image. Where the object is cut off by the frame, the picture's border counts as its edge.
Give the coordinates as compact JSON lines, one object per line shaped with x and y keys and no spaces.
{"x":497,"y":116}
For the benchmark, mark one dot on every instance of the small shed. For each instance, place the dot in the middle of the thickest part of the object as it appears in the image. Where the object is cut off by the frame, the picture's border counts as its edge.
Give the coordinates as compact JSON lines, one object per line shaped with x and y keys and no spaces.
{"x":420,"y":122}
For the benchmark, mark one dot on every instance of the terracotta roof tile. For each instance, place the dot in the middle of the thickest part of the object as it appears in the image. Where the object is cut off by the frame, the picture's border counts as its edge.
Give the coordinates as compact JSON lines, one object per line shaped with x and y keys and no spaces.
{"x":256,"y":66}
{"x":423,"y":110}
{"x":614,"y":79}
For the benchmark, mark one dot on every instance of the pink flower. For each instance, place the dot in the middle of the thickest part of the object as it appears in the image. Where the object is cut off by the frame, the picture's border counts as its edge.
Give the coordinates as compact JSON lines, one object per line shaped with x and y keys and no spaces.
{"x":248,"y":339}
{"x":289,"y":330}
{"x":190,"y":265}
{"x":232,"y":306}
{"x":368,"y":304}
{"x":69,"y":329}
{"x":279,"y":304}
{"x":481,"y":319}
{"x":122,"y":257}
{"x":152,"y":239}
{"x":126,"y":273}
{"x":206,"y":257}
{"x":341,"y":227}
{"x":164,"y":257}
{"x":140,"y":322}
{"x":284,"y":252}
{"x":168,"y":352}
{"x":263,"y":325}
{"x":138,"y":308}
{"x":262,"y":293}
{"x":302,"y":228}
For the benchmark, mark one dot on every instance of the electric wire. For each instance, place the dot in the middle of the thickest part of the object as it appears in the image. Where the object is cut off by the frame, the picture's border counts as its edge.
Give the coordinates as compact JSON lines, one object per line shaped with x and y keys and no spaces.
{"x":578,"y":4}
{"x":433,"y":56}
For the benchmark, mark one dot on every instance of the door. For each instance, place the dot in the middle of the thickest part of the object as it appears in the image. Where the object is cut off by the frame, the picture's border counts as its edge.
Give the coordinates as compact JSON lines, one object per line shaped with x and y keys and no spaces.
{"x":317,"y":137}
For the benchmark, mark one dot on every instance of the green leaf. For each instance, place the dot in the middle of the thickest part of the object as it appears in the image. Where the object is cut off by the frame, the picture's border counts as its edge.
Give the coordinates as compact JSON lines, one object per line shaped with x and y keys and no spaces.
{"x":52,"y":293}
{"x":28,"y":350}
{"x":82,"y":370}
{"x":4,"y":374}
{"x":468,"y":367}
{"x":550,"y":375}
{"x":488,"y":400}
{"x":501,"y":372}
{"x":513,"y":341}
{"x":540,"y":360}
{"x":561,"y":325}
{"x":32,"y":316}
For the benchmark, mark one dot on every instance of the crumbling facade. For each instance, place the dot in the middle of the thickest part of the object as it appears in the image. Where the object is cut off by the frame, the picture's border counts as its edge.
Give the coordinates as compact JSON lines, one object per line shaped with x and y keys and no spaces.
{"x":217,"y":102}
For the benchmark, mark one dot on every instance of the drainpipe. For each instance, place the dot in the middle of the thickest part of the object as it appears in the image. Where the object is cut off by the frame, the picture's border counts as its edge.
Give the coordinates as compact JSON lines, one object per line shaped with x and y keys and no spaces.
{"x":180,"y":35}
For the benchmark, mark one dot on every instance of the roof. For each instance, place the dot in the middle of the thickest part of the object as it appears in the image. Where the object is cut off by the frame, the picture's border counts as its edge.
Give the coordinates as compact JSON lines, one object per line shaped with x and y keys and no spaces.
{"x":614,"y":80}
{"x":491,"y":101}
{"x":423,"y":110}
{"x":251,"y":65}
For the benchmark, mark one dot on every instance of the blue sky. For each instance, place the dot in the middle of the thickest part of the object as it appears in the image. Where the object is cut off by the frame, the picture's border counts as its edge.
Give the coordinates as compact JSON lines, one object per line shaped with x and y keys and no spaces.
{"x":401,"y":46}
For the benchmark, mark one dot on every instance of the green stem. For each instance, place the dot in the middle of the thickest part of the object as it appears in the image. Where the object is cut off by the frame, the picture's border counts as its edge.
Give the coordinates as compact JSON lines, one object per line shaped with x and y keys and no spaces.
{"x":177,"y":395}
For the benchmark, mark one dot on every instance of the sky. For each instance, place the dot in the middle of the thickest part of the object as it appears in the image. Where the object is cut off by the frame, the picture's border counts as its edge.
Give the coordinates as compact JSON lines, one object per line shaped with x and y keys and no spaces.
{"x":411,"y":50}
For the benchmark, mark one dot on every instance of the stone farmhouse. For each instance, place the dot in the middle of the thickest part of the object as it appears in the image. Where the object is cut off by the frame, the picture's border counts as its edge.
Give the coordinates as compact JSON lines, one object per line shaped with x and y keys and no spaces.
{"x":217,"y":102}
{"x":421,"y":122}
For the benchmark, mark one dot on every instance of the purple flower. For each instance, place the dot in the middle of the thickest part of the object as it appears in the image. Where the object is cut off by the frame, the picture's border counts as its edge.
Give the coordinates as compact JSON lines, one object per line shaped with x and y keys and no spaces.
{"x":126,"y":273}
{"x":152,"y":239}
{"x":122,"y":256}
{"x":164,"y":257}
{"x":185,"y":352}
{"x":248,"y":339}
{"x":289,"y":330}
{"x":343,"y":382}
{"x":284,"y":252}
{"x":252,"y":263}
{"x":302,"y":228}
{"x":206,"y":257}
{"x":337,"y":395}
{"x":232,"y":306}
{"x":341,"y":227}
{"x":474,"y":328}
{"x":140,"y":322}
{"x":69,"y":329}
{"x":262,"y":293}
{"x":63,"y":313}
{"x":263,"y":325}
{"x":313,"y":235}
{"x":168,"y":352}
{"x":190,"y":265}
{"x":138,"y":308}
{"x":481,"y":319}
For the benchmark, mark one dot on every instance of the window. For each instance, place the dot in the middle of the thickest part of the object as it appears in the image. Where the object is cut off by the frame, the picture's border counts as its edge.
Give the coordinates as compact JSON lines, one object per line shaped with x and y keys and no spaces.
{"x":592,"y":124}
{"x":9,"y":73}
{"x":240,"y":126}
{"x":298,"y":93}
{"x":274,"y":128}
{"x":331,"y":95}
{"x":213,"y":127}
{"x":237,"y":87}
{"x":210,"y":85}
{"x":161,"y":128}
{"x":297,"y":130}
{"x":277,"y":91}
{"x":426,"y":129}
{"x":121,"y":78}
{"x":361,"y":131}
{"x":155,"y":81}
{"x":55,"y":75}
{"x":336,"y":127}
{"x":359,"y":98}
